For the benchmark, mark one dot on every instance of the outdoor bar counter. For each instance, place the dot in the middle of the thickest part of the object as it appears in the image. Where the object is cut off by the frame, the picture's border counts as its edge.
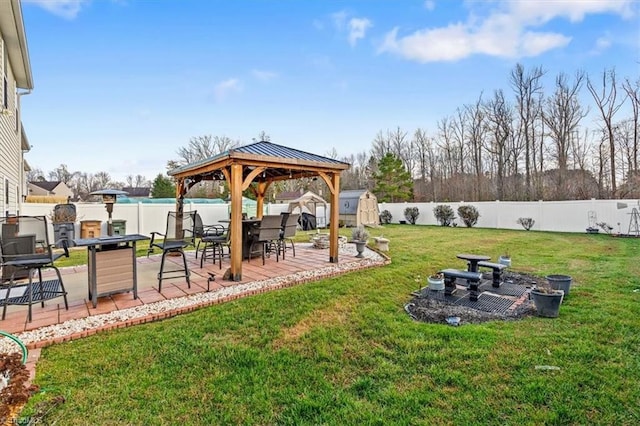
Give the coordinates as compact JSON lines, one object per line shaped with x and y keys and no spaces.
{"x":112,"y":266}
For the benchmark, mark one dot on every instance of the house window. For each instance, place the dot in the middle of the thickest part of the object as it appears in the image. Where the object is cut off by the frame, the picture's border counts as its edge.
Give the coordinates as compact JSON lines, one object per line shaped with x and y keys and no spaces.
{"x":6,"y":192}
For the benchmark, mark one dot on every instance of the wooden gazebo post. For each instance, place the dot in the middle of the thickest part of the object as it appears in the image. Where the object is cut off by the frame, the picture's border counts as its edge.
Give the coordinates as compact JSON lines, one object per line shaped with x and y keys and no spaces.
{"x":235,"y":188}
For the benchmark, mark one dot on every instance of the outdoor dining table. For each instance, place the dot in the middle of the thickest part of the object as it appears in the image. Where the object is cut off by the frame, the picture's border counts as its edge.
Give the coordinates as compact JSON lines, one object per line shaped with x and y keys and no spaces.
{"x":472,"y":260}
{"x":249,"y":226}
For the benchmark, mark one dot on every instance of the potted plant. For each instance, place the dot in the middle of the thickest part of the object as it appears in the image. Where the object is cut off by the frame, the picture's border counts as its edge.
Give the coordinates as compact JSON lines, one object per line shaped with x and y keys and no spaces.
{"x":547,"y":300}
{"x":560,"y":282}
{"x":505,"y":259}
{"x":359,"y":236}
{"x":436,"y":281}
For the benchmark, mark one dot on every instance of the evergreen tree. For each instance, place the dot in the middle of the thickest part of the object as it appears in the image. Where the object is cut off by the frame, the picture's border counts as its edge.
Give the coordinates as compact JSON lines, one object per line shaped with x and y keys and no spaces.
{"x":163,"y":187}
{"x":393,"y":181}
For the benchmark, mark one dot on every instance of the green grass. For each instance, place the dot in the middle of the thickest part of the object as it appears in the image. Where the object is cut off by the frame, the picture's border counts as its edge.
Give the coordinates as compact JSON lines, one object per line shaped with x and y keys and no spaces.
{"x":343,"y":351}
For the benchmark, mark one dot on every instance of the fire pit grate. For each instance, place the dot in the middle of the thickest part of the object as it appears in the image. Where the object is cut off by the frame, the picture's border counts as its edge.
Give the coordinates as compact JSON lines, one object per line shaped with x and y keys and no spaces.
{"x":487,"y":303}
{"x":505,"y":289}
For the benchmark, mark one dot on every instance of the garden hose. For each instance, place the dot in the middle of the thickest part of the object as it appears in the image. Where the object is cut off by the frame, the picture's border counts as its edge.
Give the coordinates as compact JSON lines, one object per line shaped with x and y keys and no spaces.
{"x":19,"y":342}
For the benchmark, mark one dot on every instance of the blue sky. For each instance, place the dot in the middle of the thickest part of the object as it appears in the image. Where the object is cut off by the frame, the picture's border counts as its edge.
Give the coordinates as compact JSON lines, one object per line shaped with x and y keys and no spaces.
{"x":120,"y":85}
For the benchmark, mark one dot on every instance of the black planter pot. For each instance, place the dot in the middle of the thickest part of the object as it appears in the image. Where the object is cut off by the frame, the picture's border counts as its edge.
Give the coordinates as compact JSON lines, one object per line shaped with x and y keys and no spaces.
{"x":560,"y":282}
{"x":547,"y":304}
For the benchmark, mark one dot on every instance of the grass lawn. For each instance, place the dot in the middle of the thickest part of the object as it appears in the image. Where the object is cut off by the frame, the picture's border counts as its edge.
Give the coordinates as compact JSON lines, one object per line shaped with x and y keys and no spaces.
{"x":343,"y":351}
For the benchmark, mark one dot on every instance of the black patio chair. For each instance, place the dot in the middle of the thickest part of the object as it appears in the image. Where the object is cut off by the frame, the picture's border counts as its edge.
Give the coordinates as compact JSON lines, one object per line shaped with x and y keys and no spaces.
{"x":265,"y":238}
{"x":175,"y":239}
{"x":201,"y":231}
{"x":214,"y":244}
{"x":25,"y":251}
{"x":289,"y":228}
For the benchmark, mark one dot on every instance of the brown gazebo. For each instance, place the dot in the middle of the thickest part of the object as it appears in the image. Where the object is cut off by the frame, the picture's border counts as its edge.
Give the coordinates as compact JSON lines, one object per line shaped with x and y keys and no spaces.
{"x":255,"y":167}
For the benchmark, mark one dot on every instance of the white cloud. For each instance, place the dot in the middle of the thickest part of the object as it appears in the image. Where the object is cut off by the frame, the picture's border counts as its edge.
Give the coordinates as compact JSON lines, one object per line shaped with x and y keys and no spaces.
{"x":339,"y":19}
{"x":225,"y":88}
{"x":357,"y":29}
{"x":429,"y":4}
{"x":264,"y":75}
{"x":602,"y":44}
{"x":543,"y":11}
{"x":67,"y":9}
{"x":511,"y":29}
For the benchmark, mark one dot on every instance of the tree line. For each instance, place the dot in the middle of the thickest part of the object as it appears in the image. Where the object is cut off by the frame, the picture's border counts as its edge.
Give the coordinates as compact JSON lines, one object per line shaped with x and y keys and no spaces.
{"x":529,"y":144}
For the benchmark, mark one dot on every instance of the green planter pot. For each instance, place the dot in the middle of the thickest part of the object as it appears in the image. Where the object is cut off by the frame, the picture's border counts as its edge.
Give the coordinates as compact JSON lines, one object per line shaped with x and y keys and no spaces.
{"x":547,"y":304}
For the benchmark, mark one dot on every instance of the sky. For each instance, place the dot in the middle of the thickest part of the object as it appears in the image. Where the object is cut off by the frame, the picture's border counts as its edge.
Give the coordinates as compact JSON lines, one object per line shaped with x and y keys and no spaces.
{"x":121,"y":85}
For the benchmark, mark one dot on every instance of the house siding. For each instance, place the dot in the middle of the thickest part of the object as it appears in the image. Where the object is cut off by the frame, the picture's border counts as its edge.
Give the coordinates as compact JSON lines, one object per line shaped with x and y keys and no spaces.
{"x":11,"y":159}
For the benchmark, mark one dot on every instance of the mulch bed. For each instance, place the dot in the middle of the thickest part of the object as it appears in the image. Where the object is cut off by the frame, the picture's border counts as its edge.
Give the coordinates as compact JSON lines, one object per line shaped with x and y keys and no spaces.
{"x":16,"y":393}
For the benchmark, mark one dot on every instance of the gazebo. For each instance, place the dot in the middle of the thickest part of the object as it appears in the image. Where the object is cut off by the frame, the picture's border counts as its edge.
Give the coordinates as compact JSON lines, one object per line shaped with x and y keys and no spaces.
{"x":255,"y":167}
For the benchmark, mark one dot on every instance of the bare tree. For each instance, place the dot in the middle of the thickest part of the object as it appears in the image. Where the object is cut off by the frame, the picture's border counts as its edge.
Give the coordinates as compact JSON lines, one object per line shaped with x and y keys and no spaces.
{"x":562,"y":115}
{"x":201,"y":147}
{"x":633,"y":93}
{"x":528,"y":89}
{"x":476,"y":134}
{"x":499,"y":123}
{"x":421,"y":144}
{"x":608,"y":105}
{"x":35,"y":175}
{"x":262,"y":137}
{"x":381,"y":145}
{"x":62,"y":174}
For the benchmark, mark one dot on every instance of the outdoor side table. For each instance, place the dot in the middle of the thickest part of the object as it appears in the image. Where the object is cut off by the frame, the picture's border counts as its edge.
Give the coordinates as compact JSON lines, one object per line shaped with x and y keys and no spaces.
{"x":473,"y":260}
{"x":112,"y":266}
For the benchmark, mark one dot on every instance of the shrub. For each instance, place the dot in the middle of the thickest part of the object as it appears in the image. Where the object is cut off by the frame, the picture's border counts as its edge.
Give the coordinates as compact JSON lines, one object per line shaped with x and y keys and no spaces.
{"x":411,"y":214}
{"x":469,"y":215}
{"x":359,"y":234}
{"x":526,"y":222}
{"x":385,"y":217}
{"x":444,"y":214}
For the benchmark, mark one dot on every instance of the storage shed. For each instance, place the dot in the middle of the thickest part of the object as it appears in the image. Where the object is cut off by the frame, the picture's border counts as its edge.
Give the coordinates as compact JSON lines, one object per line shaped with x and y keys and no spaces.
{"x":359,"y":207}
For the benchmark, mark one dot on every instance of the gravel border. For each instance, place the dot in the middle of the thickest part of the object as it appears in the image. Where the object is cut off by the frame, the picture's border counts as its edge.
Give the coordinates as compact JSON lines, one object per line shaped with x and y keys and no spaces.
{"x":79,"y":328}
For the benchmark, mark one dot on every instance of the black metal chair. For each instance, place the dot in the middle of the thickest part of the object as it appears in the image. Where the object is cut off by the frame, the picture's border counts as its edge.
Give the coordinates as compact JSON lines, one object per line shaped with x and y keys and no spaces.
{"x":24,"y":250}
{"x":265,"y":239}
{"x":201,"y":231}
{"x":289,"y":228}
{"x":178,"y":235}
{"x":214,"y":243}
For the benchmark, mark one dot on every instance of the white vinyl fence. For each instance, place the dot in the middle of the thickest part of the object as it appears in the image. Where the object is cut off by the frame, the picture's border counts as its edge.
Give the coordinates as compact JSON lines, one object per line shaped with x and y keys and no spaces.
{"x":557,"y":216}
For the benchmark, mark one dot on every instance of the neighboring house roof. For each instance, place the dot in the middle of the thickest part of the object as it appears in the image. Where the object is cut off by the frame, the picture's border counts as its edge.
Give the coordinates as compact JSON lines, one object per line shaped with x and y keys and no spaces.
{"x":137,"y":192}
{"x":46,"y":185}
{"x":12,"y":29}
{"x":288,"y":195}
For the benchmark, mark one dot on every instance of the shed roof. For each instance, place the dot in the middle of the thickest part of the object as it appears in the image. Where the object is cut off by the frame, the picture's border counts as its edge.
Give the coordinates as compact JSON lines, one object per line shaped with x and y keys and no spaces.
{"x":353,"y":193}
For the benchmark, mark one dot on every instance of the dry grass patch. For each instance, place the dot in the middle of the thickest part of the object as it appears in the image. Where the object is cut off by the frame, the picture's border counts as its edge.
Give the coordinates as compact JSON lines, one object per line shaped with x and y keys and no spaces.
{"x":335,"y":314}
